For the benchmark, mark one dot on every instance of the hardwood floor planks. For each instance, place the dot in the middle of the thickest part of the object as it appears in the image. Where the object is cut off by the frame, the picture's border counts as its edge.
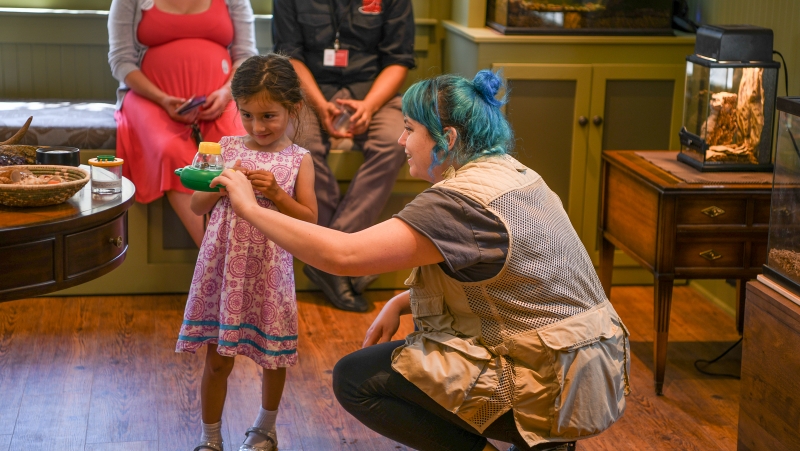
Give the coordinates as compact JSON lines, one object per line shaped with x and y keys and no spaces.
{"x":122,"y":446}
{"x":101,"y":374}
{"x":123,"y":390}
{"x":19,"y":323}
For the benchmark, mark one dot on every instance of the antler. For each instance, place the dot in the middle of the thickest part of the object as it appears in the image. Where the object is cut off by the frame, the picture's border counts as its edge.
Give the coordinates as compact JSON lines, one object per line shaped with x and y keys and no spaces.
{"x":18,"y":135}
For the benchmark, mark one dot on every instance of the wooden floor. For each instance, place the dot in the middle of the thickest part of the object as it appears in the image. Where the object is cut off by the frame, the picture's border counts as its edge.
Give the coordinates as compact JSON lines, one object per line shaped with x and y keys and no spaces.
{"x":101,"y":374}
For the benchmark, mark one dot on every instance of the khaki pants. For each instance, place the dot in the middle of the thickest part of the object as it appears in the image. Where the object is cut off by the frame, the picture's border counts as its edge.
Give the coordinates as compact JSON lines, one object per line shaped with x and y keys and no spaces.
{"x":371,"y":186}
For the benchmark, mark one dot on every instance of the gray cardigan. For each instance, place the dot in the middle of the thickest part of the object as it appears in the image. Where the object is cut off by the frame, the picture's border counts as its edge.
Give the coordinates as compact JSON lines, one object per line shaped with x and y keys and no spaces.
{"x":126,"y":52}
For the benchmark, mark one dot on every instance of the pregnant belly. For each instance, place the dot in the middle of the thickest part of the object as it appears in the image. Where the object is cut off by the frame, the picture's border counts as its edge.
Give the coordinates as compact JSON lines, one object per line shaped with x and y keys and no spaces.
{"x":187,"y":67}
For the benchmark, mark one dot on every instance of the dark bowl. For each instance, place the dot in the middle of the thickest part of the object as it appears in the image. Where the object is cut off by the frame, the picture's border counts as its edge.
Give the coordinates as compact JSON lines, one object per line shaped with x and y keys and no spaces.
{"x":58,"y":155}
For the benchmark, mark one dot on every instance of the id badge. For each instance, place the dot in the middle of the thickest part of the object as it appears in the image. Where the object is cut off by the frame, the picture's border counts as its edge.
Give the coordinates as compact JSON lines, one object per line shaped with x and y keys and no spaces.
{"x":334,"y":58}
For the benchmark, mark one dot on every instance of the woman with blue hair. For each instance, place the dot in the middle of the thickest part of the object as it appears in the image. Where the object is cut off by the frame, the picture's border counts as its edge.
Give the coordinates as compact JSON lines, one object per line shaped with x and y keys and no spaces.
{"x":515,"y":339}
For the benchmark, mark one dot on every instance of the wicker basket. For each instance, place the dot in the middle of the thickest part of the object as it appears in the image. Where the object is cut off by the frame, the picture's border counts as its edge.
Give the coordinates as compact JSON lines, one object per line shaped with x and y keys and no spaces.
{"x":42,"y":195}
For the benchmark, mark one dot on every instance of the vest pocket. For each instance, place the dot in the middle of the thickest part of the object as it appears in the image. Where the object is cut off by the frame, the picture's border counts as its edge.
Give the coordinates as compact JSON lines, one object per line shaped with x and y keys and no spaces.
{"x":589,"y":353}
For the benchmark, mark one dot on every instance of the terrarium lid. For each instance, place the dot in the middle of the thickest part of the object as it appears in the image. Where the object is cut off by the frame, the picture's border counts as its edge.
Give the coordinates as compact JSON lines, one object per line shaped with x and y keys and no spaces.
{"x":789,"y":105}
{"x":734,"y":43}
{"x":210,"y":148}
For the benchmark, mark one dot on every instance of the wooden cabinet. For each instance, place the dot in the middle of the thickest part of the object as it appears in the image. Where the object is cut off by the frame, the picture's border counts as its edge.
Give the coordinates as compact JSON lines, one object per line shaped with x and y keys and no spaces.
{"x":769,"y":406}
{"x":679,"y":230}
{"x":571,"y":97}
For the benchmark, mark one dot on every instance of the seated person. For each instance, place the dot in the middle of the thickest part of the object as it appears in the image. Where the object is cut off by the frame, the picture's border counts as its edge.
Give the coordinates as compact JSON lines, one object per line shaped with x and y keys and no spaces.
{"x":354,"y":57}
{"x":164,"y":52}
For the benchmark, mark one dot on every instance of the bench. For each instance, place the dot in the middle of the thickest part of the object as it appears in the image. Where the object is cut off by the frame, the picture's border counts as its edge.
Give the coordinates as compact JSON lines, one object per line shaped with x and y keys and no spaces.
{"x":161,"y":254}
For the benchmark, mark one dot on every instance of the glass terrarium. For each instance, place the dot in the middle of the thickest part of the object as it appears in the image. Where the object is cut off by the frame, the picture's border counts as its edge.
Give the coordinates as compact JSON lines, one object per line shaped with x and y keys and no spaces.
{"x":627,"y":17}
{"x":729,"y":100}
{"x":783,"y":256}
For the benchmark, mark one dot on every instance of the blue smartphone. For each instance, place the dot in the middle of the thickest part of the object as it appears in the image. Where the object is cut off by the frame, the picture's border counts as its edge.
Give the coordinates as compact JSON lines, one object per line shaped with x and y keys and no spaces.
{"x":191,"y":104}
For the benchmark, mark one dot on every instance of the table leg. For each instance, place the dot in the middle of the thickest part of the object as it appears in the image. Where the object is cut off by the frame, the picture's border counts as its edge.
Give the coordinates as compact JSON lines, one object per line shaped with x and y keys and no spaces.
{"x":662,"y":304}
{"x":606,"y":264}
{"x":741,"y":292}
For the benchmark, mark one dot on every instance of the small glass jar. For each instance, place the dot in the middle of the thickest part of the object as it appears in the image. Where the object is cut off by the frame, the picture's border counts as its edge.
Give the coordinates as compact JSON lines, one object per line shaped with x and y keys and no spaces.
{"x":106,"y":174}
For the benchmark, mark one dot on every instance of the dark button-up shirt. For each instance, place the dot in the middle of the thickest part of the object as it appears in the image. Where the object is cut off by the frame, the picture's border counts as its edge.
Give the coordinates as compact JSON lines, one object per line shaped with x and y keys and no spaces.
{"x":303,"y":29}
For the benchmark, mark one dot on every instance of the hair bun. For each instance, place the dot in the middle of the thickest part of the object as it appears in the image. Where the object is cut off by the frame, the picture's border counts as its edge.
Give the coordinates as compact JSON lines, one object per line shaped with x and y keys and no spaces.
{"x":488,"y":84}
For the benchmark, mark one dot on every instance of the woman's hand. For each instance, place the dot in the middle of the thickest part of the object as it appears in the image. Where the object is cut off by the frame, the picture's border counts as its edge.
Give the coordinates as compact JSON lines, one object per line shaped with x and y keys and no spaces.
{"x":171,"y":104}
{"x":384,"y":326}
{"x":362,"y":115}
{"x":236,"y":186}
{"x":264,"y":182}
{"x":215,"y":105}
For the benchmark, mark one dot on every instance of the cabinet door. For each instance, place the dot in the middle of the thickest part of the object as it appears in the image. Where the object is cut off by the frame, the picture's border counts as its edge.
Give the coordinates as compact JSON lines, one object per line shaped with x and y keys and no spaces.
{"x":546,"y":105}
{"x":633,"y":107}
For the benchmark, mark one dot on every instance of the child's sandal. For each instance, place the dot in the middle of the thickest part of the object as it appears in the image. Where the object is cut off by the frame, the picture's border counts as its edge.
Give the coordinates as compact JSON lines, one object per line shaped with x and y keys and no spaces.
{"x":271,"y":436}
{"x":205,"y":446}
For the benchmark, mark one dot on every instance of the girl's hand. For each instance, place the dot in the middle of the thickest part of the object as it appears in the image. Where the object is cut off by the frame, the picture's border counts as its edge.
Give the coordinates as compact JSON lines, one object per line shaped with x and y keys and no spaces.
{"x":362,"y":115}
{"x":264,"y":182}
{"x":171,"y":104}
{"x":235,"y":185}
{"x":215,"y":104}
{"x":384,"y":326}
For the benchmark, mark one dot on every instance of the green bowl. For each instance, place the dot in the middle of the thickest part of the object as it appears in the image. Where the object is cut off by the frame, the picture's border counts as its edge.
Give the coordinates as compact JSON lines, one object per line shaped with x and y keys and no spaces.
{"x":197,"y":179}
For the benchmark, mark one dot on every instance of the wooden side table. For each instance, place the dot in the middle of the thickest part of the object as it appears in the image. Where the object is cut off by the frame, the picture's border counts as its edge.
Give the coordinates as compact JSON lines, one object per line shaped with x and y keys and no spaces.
{"x":768,"y":406}
{"x":679,"y":230}
{"x":46,"y":249}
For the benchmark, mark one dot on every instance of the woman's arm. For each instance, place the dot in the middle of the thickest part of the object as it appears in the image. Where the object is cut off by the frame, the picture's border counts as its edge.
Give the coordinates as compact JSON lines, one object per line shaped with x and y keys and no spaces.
{"x":388,"y":320}
{"x":122,"y":54}
{"x":304,"y":207}
{"x":389,"y":246}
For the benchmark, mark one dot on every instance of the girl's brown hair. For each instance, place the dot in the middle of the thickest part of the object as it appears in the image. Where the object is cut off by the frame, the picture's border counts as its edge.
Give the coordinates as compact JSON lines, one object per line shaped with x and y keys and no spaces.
{"x":270,"y":75}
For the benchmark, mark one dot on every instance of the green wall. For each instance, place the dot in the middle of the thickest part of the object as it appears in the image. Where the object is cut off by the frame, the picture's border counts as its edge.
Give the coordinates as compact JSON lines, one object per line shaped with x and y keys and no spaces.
{"x":782,"y":16}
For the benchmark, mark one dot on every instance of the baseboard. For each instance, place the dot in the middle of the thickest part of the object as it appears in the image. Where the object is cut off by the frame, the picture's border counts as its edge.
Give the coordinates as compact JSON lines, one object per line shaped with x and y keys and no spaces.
{"x":718,"y":292}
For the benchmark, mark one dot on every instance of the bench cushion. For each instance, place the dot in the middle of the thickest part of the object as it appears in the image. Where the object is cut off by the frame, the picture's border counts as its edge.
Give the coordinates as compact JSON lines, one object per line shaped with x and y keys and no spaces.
{"x":85,"y":125}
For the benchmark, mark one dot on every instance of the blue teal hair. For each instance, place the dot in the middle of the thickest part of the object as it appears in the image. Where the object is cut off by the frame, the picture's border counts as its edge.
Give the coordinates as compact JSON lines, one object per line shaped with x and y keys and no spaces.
{"x":471,"y":107}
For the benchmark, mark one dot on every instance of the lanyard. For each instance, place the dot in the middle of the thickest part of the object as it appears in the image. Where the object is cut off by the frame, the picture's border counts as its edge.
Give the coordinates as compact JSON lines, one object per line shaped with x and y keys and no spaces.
{"x":337,"y":21}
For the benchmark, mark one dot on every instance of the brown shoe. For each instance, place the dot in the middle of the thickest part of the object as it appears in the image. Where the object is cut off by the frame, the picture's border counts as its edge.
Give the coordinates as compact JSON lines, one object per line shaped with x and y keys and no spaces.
{"x":337,"y":290}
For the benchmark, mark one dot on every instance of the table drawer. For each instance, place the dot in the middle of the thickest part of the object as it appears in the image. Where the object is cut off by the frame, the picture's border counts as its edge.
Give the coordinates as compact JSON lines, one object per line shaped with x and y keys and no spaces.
{"x":95,"y":247}
{"x":694,"y":210}
{"x":710,"y":254}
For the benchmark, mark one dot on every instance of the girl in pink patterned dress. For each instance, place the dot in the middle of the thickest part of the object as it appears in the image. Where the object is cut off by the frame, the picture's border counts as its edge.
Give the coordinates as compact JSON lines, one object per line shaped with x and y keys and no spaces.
{"x":242,"y":299}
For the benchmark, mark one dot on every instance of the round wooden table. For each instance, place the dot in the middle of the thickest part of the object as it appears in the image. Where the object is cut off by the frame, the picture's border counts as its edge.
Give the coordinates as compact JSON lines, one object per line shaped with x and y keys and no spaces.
{"x":46,"y":249}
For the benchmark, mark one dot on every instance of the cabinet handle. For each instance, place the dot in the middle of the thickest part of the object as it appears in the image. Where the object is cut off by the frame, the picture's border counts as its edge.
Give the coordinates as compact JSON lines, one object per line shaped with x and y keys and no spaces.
{"x":582,"y":120}
{"x":597,"y":120}
{"x":116,"y":241}
{"x":711,"y":255}
{"x":713,"y":211}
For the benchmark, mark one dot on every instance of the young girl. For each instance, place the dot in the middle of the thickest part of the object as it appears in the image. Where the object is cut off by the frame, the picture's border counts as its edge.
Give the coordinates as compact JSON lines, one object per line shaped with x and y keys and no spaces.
{"x":242,"y":299}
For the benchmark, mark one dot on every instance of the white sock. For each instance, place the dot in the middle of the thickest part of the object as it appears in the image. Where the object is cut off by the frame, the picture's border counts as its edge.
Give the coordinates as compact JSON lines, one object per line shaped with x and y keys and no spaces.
{"x":211,"y":432}
{"x":266,"y":419}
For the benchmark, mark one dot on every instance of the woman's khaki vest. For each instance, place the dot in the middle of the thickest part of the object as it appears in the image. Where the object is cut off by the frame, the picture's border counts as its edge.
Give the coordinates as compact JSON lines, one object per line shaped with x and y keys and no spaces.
{"x":540,"y":337}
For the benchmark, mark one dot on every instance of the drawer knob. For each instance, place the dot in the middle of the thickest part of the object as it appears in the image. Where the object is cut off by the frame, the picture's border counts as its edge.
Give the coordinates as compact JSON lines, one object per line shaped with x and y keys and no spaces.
{"x":116,"y":241}
{"x":583,"y":120}
{"x":710,"y":255}
{"x":713,"y":211}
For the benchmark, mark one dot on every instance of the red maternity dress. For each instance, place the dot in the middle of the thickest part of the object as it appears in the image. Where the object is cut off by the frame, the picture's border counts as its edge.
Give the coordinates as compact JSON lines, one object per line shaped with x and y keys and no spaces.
{"x":187,"y":56}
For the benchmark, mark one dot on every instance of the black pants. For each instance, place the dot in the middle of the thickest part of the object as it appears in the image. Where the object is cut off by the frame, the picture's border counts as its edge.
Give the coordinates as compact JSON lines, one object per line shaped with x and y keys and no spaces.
{"x":366,"y":386}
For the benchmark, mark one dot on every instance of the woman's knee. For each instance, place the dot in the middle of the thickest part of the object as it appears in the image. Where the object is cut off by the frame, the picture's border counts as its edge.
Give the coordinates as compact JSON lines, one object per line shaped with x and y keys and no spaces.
{"x":345,"y":373}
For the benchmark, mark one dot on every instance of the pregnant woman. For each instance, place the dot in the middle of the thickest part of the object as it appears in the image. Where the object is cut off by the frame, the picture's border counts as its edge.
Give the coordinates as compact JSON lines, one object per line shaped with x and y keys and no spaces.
{"x":164,"y":53}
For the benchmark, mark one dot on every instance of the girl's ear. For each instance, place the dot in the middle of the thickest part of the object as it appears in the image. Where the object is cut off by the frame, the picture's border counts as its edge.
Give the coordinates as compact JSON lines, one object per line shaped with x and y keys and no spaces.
{"x":452,"y":136}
